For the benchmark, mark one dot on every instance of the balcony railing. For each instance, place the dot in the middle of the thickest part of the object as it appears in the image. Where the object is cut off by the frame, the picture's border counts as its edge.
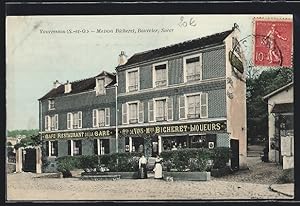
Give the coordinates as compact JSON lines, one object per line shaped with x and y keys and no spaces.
{"x":161,"y":83}
{"x":161,"y":119}
{"x":133,"y":121}
{"x":133,"y":88}
{"x":193,"y":116}
{"x":101,"y":124}
{"x":75,"y":126}
{"x":193,"y":77}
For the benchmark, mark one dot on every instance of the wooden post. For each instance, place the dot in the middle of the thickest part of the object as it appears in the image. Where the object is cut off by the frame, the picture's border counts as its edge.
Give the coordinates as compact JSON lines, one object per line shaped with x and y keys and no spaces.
{"x":19,"y":162}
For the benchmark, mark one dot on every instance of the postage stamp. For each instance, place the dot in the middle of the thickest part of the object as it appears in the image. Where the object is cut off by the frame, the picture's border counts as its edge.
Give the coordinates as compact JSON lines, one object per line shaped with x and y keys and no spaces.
{"x":273,"y":42}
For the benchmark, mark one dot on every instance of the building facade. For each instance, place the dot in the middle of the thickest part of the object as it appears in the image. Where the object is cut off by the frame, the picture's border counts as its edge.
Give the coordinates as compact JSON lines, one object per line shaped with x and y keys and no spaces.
{"x":281,"y":125}
{"x":187,"y":95}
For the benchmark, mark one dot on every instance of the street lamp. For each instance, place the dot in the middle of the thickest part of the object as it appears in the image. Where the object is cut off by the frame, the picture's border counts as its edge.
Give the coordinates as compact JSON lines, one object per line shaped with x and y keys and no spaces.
{"x":117,"y":132}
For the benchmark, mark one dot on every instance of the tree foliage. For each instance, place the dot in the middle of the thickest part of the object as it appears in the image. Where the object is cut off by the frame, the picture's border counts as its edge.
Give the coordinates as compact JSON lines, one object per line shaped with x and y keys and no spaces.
{"x":27,"y":133}
{"x":257,"y":108}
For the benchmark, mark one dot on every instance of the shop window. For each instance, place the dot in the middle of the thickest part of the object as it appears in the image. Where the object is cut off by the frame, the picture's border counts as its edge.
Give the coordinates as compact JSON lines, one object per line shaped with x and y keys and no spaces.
{"x":51,"y":122}
{"x":74,"y":120}
{"x":52,"y":148}
{"x":51,"y":104}
{"x":134,"y":144}
{"x":101,"y":117}
{"x":198,"y":141}
{"x":160,"y":75}
{"x":193,"y":67}
{"x":174,"y":143}
{"x":101,"y":146}
{"x":133,"y":80}
{"x":74,"y":147}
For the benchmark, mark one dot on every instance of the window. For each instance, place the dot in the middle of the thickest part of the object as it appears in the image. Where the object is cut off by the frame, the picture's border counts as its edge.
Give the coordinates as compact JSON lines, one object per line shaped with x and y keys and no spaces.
{"x":193,"y":106}
{"x":51,"y":104}
{"x":101,"y":117}
{"x":101,"y":146}
{"x":132,"y":112}
{"x":52,"y":148}
{"x":193,"y":68}
{"x":160,"y":109}
{"x":74,"y":147}
{"x":51,"y":122}
{"x":100,"y":86}
{"x":74,"y":120}
{"x":133,"y":80}
{"x":160,"y":75}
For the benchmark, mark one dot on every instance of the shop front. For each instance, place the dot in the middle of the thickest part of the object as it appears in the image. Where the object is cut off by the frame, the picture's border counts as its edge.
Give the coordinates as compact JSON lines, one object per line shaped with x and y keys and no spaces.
{"x":152,"y":140}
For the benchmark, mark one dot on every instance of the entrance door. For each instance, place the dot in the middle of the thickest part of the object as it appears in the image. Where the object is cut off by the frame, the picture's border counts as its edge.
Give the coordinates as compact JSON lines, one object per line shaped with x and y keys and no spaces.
{"x":29,"y":160}
{"x":234,"y":145}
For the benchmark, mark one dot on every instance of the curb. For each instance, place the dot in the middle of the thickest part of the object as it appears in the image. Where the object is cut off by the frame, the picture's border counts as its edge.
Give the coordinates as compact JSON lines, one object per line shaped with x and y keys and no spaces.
{"x":282,"y":193}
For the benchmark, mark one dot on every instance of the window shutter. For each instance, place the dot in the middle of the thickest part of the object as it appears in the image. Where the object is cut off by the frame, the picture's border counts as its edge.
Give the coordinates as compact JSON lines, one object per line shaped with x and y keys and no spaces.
{"x":56,"y":121}
{"x":69,"y":120}
{"x":170,"y":108}
{"x":141,"y":112}
{"x":181,"y":107}
{"x":46,"y":123}
{"x":124,"y":114}
{"x":80,"y":119}
{"x":69,"y":147}
{"x":95,"y":117}
{"x":204,"y":105}
{"x":55,"y":145}
{"x":47,"y":148}
{"x":150,"y":111}
{"x":107,"y":116}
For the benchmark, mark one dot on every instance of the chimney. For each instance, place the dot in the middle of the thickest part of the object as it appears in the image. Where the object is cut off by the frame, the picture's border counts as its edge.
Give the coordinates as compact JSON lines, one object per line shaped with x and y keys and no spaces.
{"x":122,"y":58}
{"x":68,"y":87}
{"x":55,"y":84}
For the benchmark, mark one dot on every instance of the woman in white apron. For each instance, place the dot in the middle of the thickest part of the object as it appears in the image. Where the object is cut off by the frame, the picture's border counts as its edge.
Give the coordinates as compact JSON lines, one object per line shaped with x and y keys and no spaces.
{"x":158,"y":168}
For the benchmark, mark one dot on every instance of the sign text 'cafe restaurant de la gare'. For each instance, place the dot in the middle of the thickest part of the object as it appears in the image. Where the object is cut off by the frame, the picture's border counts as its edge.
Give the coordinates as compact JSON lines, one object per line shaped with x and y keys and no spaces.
{"x":186,"y":95}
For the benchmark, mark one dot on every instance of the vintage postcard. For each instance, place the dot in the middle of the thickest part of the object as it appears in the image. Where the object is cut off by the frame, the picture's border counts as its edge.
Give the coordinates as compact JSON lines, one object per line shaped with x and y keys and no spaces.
{"x":150,"y":107}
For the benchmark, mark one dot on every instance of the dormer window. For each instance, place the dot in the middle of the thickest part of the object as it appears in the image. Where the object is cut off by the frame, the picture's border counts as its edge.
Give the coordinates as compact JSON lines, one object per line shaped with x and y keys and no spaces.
{"x":160,"y":75}
{"x":193,"y":68}
{"x":100,"y":86}
{"x":51,"y":104}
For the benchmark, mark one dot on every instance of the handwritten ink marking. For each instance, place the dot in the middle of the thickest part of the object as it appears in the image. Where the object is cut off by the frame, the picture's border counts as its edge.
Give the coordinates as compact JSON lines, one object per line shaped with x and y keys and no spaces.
{"x":184,"y":23}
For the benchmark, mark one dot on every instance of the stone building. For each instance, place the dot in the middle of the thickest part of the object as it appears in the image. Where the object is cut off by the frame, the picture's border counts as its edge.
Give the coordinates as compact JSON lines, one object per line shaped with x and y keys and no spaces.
{"x":281,"y":125}
{"x":190,"y":94}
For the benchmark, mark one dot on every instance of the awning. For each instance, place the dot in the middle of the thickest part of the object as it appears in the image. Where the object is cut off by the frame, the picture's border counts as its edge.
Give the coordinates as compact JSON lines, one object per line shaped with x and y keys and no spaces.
{"x":283,"y":108}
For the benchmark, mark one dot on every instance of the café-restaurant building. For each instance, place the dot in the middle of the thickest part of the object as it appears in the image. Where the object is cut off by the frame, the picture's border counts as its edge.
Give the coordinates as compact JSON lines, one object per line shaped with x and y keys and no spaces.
{"x":186,"y":95}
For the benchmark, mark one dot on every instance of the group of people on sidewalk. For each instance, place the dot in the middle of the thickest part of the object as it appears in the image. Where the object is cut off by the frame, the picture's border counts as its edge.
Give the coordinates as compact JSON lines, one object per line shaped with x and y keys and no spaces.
{"x":157,"y":168}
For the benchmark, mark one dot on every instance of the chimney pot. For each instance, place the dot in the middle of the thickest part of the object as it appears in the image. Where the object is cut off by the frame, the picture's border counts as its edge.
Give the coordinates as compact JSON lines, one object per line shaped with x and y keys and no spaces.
{"x":122,"y":58}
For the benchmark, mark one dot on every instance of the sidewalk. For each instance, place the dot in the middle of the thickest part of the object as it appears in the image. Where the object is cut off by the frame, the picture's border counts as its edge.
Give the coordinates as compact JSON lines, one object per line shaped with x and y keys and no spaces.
{"x":285,"y":189}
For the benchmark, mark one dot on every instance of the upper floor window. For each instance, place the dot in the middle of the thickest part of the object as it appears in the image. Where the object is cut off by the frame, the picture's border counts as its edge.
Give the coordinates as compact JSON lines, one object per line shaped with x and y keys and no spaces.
{"x":193,"y":106}
{"x":160,"y":75}
{"x":74,"y":120}
{"x":133,"y":112}
{"x":51,"y":122}
{"x":132,"y":80}
{"x":101,"y":117}
{"x":193,"y":68}
{"x":51,"y":104}
{"x":160,"y":109}
{"x":100,"y":86}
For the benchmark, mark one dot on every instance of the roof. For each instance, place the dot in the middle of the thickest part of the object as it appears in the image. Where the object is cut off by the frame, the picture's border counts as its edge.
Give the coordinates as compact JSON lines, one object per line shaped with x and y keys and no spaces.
{"x":283,"y":108}
{"x":176,"y":48}
{"x":268,"y":96}
{"x":79,"y":86}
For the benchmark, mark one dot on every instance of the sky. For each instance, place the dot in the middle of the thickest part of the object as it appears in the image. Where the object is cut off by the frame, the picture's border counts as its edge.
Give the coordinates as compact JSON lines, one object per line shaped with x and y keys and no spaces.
{"x":36,"y":56}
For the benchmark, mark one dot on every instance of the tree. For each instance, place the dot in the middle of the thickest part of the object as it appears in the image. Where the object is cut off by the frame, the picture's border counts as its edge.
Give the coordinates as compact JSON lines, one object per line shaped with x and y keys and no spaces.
{"x":257,"y":109}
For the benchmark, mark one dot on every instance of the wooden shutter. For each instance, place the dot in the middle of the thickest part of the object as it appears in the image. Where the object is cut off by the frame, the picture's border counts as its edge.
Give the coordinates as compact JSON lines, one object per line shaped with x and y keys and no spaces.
{"x":151,"y":111}
{"x":124,"y":114}
{"x":141,"y":112}
{"x":56,"y":122}
{"x":95,"y":117}
{"x":47,"y":148}
{"x":69,"y":146}
{"x":80,"y":119}
{"x":181,"y":107}
{"x":204,"y":105}
{"x":170,"y":108}
{"x":107,"y":116}
{"x":47,"y":123}
{"x":69,"y":120}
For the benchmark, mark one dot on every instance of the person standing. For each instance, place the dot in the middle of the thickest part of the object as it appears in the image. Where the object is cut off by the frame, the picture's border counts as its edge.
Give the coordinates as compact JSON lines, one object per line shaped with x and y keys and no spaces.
{"x":142,"y":167}
{"x":158,"y":168}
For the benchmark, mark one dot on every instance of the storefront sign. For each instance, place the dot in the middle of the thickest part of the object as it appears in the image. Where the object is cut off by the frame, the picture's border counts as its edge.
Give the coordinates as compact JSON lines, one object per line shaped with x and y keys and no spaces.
{"x":216,"y":126}
{"x":79,"y":134}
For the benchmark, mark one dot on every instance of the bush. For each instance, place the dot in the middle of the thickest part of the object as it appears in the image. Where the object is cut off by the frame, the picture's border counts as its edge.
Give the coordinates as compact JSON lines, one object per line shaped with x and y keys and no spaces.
{"x":220,"y":156}
{"x":66,"y":164}
{"x":191,"y":159}
{"x":287,"y":176}
{"x":87,"y":161}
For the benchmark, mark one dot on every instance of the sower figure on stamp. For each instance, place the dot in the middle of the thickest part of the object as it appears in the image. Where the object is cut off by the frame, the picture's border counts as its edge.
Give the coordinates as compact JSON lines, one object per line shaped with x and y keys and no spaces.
{"x":270,"y":41}
{"x":158,"y":168}
{"x":142,"y":167}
